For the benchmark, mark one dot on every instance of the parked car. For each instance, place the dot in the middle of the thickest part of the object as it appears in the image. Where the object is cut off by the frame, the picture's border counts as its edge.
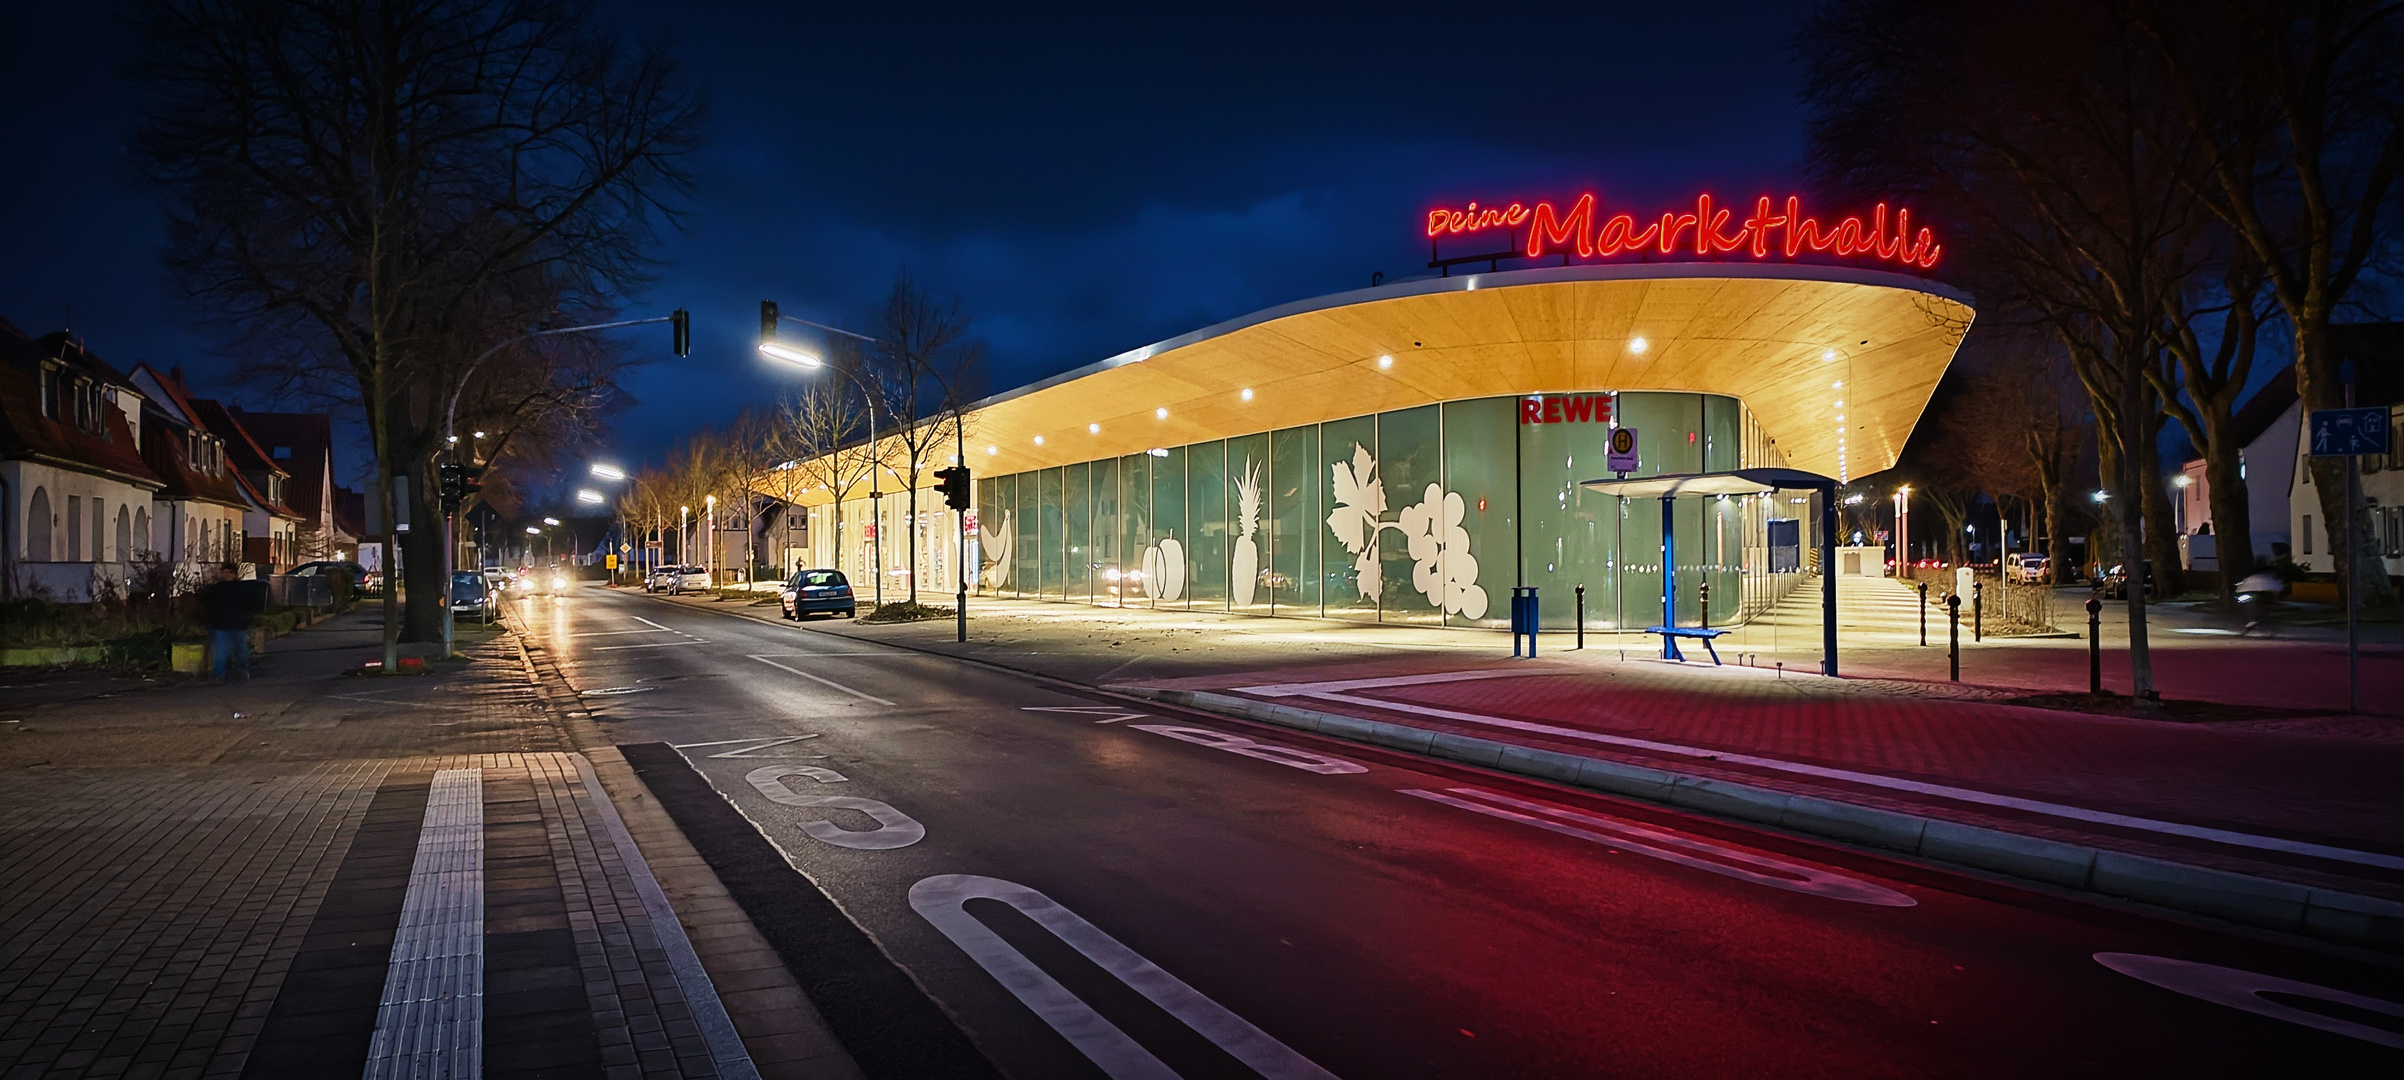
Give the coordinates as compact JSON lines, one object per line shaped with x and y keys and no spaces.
{"x":688,"y":577}
{"x":812,"y":592}
{"x":498,"y":579}
{"x":360,"y":578}
{"x":662,"y":578}
{"x":2114,"y":581}
{"x":2027,"y":568}
{"x":472,"y":596}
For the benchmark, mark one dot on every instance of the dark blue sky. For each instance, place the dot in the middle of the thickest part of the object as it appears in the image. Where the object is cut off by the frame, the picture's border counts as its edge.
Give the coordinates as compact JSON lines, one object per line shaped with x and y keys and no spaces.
{"x":1085,"y":182}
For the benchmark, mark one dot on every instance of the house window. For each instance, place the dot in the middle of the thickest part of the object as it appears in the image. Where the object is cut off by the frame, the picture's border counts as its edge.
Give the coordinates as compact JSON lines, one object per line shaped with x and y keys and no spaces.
{"x":74,"y":528}
{"x":50,"y":379}
{"x":2307,"y":534}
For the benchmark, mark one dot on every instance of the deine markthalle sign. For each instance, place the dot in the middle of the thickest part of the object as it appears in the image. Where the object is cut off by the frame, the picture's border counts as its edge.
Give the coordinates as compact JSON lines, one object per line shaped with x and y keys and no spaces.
{"x":1769,"y":230}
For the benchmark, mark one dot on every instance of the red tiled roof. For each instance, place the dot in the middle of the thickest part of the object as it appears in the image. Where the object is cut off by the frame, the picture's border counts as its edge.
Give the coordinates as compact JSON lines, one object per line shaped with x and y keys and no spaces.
{"x":166,"y":445}
{"x":310,"y":438}
{"x":243,"y":453}
{"x":26,"y":434}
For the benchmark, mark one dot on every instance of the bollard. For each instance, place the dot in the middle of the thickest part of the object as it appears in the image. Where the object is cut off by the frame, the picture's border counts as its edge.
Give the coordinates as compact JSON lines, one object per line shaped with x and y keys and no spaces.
{"x":2094,"y":646}
{"x":1923,"y":614}
{"x":1978,"y":611}
{"x":1953,"y":632}
{"x":1581,"y":616}
{"x":1703,"y":594}
{"x":1524,"y":614}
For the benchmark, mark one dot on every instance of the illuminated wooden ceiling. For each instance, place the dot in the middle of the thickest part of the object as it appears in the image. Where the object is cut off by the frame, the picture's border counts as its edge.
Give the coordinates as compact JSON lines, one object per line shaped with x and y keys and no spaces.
{"x":1762,"y":333}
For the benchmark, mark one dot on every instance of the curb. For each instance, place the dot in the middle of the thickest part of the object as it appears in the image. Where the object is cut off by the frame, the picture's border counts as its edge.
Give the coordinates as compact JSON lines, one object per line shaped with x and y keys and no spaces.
{"x":2239,"y":898}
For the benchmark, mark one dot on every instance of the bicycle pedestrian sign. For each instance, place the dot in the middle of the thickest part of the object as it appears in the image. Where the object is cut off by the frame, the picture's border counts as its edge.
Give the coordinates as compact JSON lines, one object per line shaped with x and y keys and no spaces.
{"x":2349,"y":432}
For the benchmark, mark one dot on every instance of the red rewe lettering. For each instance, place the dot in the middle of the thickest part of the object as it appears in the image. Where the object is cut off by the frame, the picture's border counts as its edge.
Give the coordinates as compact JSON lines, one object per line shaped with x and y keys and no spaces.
{"x":1580,"y":409}
{"x":1550,"y":229}
{"x":1531,"y":411}
{"x":1552,"y":410}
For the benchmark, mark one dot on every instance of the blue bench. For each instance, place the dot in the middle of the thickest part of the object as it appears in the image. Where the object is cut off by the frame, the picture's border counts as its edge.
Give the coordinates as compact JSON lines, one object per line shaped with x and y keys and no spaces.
{"x":1671,"y":634}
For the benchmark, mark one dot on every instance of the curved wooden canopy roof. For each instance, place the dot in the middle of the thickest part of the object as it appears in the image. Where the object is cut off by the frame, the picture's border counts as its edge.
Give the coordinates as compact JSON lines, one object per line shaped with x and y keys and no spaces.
{"x":1762,"y":333}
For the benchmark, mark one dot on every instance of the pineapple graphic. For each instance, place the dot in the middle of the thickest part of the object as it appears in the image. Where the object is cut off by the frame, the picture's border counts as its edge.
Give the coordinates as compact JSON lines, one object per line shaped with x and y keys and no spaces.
{"x":1244,"y":572}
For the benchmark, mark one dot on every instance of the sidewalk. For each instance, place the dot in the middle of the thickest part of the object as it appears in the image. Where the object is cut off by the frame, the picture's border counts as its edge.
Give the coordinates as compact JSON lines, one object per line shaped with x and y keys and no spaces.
{"x":310,"y":873}
{"x":2285,"y":785}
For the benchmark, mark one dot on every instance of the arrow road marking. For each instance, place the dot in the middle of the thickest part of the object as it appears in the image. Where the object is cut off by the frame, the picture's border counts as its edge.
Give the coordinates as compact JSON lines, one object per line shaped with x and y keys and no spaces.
{"x":746,"y":751}
{"x":2244,"y":989}
{"x":1113,"y":713}
{"x":942,"y":900}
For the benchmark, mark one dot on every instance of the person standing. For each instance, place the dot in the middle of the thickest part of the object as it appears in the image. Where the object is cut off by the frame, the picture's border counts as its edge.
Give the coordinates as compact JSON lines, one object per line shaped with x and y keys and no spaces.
{"x":227,"y":605}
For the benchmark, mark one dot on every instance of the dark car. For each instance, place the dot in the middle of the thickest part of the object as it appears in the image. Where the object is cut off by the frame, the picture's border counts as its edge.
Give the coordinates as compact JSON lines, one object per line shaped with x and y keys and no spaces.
{"x":2114,"y":582}
{"x":816,"y":592}
{"x":472,"y":596}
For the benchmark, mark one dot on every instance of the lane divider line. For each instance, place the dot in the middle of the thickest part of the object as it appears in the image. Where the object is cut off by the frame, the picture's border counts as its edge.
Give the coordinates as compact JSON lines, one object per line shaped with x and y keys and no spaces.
{"x":1643,"y":840}
{"x":2239,"y":989}
{"x":1305,"y":760}
{"x":825,"y":681}
{"x":1942,"y":791}
{"x":941,"y":900}
{"x":653,"y":645}
{"x":430,"y":1020}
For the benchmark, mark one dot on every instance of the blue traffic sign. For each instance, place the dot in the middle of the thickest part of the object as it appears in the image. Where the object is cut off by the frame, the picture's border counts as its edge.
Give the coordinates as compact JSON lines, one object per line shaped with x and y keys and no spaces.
{"x":2349,"y":432}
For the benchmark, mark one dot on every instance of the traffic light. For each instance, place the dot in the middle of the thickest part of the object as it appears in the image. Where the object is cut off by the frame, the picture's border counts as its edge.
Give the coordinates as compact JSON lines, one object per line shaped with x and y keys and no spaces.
{"x":767,"y":321}
{"x":455,"y":483}
{"x":955,"y":486}
{"x":681,"y":321}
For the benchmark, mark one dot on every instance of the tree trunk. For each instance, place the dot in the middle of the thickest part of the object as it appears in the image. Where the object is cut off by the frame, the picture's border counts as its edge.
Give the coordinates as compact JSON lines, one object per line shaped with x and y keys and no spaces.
{"x":2161,"y":520}
{"x":2232,"y":514}
{"x":2133,"y":460}
{"x":912,"y":554}
{"x":421,"y":556}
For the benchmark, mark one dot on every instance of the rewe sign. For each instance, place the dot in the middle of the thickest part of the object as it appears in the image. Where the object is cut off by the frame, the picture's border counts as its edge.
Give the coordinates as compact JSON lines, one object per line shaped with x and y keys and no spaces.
{"x":1710,"y":230}
{"x":1566,"y":409}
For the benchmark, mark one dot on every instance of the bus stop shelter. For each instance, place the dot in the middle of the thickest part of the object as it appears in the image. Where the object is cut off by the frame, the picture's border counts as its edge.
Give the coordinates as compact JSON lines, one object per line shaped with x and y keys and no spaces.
{"x":1737,"y":482}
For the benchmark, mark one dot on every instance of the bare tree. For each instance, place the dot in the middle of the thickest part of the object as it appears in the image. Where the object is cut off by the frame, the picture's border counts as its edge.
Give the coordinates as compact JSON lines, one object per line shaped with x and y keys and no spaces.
{"x":821,"y":434}
{"x":925,"y":359}
{"x":2298,"y":111}
{"x":2204,"y":402}
{"x":363,"y":189}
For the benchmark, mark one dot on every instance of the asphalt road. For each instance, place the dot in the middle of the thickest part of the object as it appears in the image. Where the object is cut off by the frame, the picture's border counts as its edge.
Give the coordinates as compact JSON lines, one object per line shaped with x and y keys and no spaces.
{"x":1096,"y":890}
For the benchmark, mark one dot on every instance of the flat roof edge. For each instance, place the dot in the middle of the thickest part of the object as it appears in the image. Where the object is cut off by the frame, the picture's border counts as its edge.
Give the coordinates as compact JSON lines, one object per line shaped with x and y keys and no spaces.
{"x":1542,"y":275}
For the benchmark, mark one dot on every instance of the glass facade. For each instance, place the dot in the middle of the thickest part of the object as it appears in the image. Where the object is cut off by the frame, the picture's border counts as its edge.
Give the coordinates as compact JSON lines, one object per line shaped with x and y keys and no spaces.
{"x":1424,"y":516}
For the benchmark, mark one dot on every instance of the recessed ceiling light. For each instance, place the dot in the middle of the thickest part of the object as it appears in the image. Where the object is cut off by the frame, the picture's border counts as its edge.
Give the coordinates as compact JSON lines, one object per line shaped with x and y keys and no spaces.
{"x":1385,"y":361}
{"x":1638,"y":345}
{"x":1247,"y":394}
{"x":1093,"y":429}
{"x":1161,"y":413}
{"x":1039,"y":440}
{"x":992,"y":450}
{"x":1828,"y":354}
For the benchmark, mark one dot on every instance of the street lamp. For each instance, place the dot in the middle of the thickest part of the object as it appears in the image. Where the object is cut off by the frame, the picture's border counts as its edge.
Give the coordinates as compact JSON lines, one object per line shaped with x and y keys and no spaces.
{"x":608,"y":472}
{"x":709,"y":508}
{"x":770,"y":347}
{"x":1903,"y":528}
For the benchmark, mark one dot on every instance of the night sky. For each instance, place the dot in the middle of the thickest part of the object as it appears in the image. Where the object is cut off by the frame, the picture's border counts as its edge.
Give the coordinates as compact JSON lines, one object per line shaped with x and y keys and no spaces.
{"x":1086,"y":183}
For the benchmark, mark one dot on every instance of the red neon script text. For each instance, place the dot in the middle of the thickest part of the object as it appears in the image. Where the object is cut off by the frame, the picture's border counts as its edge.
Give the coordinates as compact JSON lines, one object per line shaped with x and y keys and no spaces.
{"x":1711,"y":229}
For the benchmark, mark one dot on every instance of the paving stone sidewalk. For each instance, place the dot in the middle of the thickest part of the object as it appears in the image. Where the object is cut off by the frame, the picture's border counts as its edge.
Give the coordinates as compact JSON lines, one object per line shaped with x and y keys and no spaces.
{"x":207,"y":881}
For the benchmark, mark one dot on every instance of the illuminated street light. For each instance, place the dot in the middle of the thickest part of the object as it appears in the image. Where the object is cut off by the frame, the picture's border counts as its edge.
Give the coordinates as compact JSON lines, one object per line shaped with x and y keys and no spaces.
{"x":777,"y":350}
{"x":608,"y":472}
{"x":588,"y":495}
{"x":2100,"y":496}
{"x":550,"y":521}
{"x":532,"y":531}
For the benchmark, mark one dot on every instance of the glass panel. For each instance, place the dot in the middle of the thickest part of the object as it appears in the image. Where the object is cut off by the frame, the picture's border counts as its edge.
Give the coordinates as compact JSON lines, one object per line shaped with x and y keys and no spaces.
{"x":1165,"y":567}
{"x":1078,"y":483}
{"x":1030,"y":546}
{"x":1206,"y":522}
{"x":1135,"y":517}
{"x":1102,"y":559}
{"x":1351,"y":503}
{"x":1721,"y":449}
{"x":1294,"y":521}
{"x":1410,"y":448}
{"x":1051,"y":530}
{"x":1477,"y":468}
{"x":1248,"y":523}
{"x":1571,"y":534}
{"x":989,"y":517}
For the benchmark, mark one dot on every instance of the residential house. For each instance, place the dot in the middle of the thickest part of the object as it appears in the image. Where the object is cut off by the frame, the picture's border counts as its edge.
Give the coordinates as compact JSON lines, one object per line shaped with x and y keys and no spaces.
{"x":2265,"y":430}
{"x":76,"y":493}
{"x":200,"y":509}
{"x":271,"y":528}
{"x":2374,"y":349}
{"x":303,"y":445}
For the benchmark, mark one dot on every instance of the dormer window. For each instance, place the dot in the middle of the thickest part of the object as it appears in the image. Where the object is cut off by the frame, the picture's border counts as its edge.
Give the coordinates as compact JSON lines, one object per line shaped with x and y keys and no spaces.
{"x":50,"y":392}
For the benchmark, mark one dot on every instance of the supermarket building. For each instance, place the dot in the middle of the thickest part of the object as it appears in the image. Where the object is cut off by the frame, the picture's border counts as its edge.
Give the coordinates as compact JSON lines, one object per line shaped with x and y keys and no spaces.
{"x":1411,"y":452}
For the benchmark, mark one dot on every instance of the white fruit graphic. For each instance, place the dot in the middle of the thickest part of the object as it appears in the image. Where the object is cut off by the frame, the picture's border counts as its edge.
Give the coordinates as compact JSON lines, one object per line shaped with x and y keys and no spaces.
{"x":1171,"y":574}
{"x":996,"y":544}
{"x":1152,"y":572}
{"x":1243,"y":573}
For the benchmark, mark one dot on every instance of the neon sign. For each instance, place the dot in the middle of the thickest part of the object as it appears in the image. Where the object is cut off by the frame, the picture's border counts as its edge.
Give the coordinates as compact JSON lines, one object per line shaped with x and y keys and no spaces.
{"x":1706,"y":231}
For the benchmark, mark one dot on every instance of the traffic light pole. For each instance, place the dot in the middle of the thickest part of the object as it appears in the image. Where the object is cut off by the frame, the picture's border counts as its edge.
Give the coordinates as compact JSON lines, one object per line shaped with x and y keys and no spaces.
{"x":960,"y":514}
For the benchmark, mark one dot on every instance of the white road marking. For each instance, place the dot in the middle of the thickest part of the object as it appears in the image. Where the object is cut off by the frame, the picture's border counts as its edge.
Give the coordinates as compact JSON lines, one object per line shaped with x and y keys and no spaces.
{"x":620,"y":633}
{"x":2244,"y":989}
{"x":1113,"y":713}
{"x":746,"y":751}
{"x":1319,"y":689}
{"x":1942,"y":791}
{"x":828,"y":682}
{"x":1287,"y":756}
{"x":1642,"y":840}
{"x":942,"y":900}
{"x":430,"y":1021}
{"x":648,"y":622}
{"x":894,"y":828}
{"x":654,"y":645}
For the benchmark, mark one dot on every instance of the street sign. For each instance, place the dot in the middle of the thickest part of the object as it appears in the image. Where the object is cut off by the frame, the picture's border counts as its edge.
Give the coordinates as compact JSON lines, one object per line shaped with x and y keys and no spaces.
{"x":2349,"y":432}
{"x":1622,"y":456}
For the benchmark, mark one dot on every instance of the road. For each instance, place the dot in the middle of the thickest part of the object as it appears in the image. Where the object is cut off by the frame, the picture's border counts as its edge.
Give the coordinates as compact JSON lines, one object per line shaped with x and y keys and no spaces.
{"x":1181,"y":895}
